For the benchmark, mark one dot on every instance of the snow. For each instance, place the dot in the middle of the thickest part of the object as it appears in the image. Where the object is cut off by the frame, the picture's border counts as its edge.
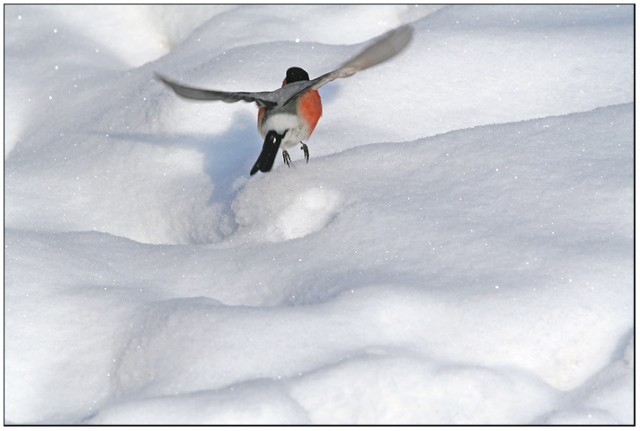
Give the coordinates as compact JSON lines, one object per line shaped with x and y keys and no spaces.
{"x":458,"y":250}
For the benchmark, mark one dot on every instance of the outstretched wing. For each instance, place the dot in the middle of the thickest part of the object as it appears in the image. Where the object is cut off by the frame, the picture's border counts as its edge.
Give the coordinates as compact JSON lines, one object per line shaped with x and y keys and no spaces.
{"x":263,"y":98}
{"x":385,"y":47}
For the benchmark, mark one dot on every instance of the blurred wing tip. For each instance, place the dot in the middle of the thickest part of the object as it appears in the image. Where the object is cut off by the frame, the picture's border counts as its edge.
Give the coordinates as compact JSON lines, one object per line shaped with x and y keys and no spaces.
{"x":158,"y":76}
{"x":405,"y":29}
{"x":401,"y":35}
{"x":166,"y":81}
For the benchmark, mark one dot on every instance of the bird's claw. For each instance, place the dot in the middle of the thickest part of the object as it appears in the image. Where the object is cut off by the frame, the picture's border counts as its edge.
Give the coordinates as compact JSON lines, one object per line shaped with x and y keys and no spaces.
{"x":286,"y":158}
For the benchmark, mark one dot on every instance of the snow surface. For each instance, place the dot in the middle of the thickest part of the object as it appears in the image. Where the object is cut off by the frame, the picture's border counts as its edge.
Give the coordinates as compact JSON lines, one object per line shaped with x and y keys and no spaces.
{"x":458,"y":250}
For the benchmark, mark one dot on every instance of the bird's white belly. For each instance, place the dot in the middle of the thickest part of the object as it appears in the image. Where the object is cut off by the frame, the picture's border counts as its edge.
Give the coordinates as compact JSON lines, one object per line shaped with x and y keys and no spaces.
{"x":296,"y":130}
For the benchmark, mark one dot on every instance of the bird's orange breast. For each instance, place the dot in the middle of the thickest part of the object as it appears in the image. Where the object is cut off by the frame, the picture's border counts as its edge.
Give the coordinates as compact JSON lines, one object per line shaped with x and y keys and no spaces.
{"x":310,"y":108}
{"x":260,"y":115}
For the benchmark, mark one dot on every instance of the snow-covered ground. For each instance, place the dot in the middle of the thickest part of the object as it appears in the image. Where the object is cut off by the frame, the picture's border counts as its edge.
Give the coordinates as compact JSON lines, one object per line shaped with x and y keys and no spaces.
{"x":458,"y":250}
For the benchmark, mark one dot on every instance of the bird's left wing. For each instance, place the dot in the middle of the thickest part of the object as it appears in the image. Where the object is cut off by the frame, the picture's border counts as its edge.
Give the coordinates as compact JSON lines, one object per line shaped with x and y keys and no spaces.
{"x":263,"y":98}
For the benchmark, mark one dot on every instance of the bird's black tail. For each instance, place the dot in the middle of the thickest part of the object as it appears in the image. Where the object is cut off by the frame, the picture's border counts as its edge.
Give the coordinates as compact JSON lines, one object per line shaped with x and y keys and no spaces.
{"x":268,"y":154}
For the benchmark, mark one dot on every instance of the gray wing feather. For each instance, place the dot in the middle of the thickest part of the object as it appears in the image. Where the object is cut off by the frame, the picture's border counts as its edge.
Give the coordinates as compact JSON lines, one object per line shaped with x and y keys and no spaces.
{"x":261,"y":98}
{"x":385,"y":47}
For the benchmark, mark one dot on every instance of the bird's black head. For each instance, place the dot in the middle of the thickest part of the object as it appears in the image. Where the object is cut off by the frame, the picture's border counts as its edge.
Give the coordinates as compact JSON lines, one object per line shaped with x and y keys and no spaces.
{"x":295,"y":74}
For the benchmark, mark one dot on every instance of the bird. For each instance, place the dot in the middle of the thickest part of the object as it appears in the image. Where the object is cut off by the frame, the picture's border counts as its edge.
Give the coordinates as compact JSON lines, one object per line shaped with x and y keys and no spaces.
{"x":287,"y":116}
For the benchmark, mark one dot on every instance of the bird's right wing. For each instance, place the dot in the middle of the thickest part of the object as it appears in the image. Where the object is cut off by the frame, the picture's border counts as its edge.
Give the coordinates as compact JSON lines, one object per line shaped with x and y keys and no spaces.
{"x":385,"y":47}
{"x":263,"y":98}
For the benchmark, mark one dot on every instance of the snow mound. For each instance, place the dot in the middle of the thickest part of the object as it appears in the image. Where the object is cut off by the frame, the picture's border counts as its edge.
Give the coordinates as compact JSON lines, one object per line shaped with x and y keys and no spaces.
{"x":287,"y":215}
{"x":387,"y":283}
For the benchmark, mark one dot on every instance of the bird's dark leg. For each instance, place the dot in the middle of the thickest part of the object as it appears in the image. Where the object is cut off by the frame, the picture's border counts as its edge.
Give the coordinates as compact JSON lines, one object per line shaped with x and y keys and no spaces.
{"x":286,"y":157}
{"x":305,"y":150}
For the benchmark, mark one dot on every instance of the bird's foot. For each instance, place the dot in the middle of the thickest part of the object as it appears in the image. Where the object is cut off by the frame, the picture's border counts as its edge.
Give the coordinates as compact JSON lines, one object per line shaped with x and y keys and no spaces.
{"x":286,"y":158}
{"x":305,"y":150}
